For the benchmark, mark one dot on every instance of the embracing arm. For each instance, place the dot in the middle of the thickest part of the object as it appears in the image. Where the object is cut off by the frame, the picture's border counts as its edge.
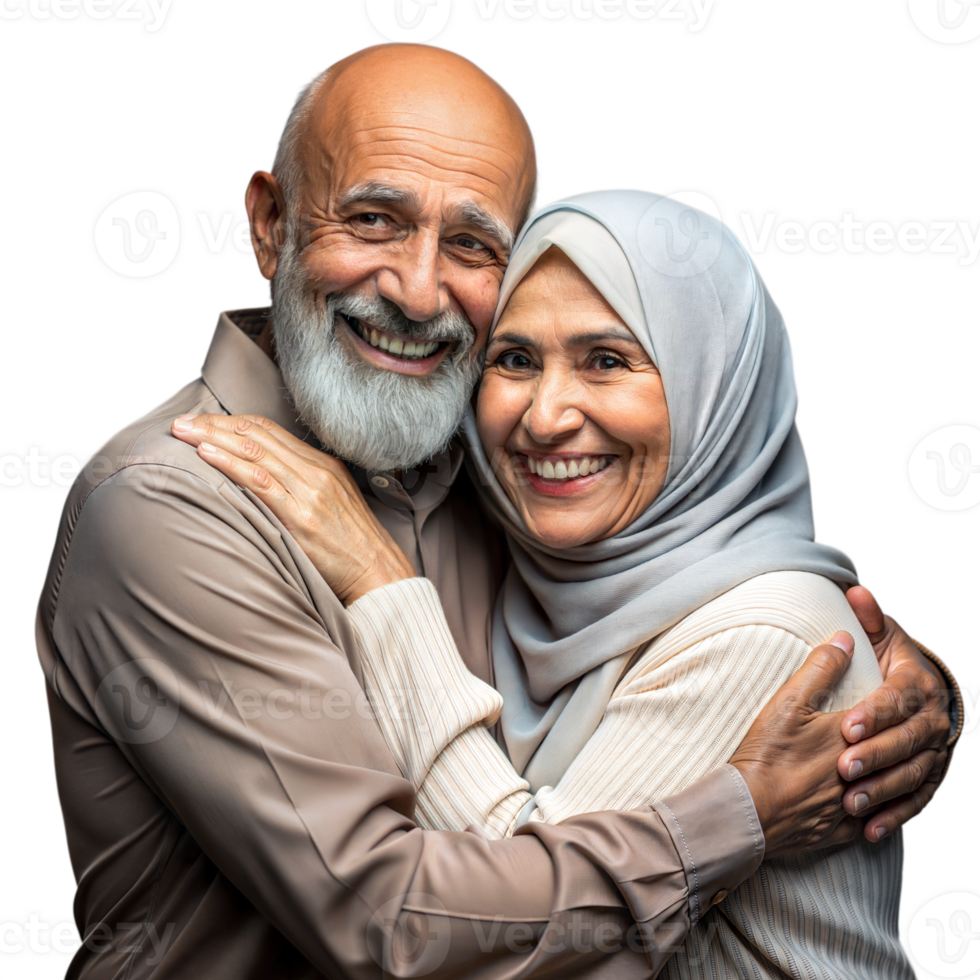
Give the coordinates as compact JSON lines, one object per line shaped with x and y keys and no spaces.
{"x":278,"y":771}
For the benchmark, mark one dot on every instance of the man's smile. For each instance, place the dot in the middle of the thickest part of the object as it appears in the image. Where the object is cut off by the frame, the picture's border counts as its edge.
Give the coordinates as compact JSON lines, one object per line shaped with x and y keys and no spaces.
{"x":394,"y":351}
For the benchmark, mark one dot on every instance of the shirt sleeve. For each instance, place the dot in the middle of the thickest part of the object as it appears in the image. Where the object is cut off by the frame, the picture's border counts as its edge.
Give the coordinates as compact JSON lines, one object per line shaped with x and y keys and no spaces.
{"x":185,"y":630}
{"x":434,"y":716}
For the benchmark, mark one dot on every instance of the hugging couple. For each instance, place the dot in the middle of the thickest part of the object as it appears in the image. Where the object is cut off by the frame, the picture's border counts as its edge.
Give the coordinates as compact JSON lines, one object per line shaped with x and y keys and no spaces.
{"x":472,"y":597}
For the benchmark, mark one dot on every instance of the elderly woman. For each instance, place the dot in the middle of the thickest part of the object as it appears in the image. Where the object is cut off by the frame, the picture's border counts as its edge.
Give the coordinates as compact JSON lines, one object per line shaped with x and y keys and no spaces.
{"x":634,"y":436}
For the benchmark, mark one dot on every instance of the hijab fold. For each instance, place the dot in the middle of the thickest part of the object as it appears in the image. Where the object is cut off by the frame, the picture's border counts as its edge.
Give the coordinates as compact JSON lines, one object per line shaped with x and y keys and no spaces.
{"x":736,"y":500}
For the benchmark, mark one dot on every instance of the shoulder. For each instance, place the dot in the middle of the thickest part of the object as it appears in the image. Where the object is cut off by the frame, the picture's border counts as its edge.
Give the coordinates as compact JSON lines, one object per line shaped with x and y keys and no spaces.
{"x":808,"y":606}
{"x":123,"y":490}
{"x":775,"y":616}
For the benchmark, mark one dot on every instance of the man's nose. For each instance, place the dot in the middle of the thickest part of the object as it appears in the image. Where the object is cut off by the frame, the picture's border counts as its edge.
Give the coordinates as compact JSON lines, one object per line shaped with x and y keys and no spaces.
{"x":413,"y":280}
{"x":554,"y":412}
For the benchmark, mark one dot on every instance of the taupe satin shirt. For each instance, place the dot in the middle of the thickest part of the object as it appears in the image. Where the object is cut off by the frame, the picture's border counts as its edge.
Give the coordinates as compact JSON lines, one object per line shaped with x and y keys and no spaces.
{"x":231,"y":807}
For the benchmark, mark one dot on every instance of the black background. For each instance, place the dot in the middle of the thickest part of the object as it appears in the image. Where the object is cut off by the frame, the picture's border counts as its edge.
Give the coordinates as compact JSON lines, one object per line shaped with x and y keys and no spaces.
{"x":805,"y":110}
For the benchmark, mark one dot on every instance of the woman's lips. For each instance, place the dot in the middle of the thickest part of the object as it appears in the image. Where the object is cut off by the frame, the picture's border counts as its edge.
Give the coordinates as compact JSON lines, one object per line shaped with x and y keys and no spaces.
{"x":564,"y":475}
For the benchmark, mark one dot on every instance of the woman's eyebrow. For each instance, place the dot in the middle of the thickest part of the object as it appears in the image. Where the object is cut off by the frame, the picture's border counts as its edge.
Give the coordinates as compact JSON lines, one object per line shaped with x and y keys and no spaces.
{"x":598,"y":336}
{"x":512,"y":338}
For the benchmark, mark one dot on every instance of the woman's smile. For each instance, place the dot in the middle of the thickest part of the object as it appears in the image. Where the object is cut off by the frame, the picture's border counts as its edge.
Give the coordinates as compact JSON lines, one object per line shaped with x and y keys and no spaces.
{"x":572,"y":409}
{"x":560,"y":475}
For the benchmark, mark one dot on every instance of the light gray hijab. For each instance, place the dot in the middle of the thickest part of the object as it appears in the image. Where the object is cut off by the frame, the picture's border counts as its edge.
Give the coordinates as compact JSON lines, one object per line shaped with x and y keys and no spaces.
{"x":736,"y":501}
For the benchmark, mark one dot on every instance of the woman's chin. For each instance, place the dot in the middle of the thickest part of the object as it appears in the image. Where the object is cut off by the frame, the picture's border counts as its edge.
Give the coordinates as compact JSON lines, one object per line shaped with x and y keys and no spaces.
{"x":563,"y":534}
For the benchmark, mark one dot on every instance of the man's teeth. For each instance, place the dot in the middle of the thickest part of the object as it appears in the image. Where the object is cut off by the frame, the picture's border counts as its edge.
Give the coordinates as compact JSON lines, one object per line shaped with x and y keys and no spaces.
{"x":412,"y":350}
{"x":567,"y":469}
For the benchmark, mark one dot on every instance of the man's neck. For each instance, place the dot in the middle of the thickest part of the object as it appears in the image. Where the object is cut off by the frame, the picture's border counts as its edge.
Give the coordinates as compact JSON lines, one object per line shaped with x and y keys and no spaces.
{"x":265,"y":342}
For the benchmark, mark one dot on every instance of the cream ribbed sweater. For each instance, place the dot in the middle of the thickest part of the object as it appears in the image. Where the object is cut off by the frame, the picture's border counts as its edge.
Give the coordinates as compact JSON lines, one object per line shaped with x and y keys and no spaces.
{"x":680,"y":710}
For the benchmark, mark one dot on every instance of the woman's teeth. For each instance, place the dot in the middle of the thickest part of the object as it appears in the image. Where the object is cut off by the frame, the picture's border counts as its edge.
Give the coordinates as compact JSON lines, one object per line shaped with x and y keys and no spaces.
{"x":407,"y":349}
{"x":566,"y":469}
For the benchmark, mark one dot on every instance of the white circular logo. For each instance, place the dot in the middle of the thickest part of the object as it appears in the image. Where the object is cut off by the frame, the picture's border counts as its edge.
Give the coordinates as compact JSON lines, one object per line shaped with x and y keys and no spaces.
{"x":138,"y":235}
{"x":409,"y":20}
{"x":944,"y":935}
{"x":410,"y":943}
{"x":944,"y":468}
{"x":138,"y":701}
{"x":947,"y":21}
{"x":680,"y":235}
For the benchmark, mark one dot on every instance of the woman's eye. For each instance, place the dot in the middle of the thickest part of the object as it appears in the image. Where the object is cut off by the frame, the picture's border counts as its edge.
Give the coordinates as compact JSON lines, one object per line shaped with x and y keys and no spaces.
{"x":514,"y":361}
{"x":606,"y":362}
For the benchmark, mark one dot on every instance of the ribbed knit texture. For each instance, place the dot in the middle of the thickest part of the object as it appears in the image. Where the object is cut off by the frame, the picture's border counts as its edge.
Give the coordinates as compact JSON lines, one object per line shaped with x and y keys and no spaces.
{"x":680,"y":710}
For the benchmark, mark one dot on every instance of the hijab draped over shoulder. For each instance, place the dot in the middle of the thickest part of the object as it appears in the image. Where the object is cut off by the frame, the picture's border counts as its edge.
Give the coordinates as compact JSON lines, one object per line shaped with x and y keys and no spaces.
{"x":736,"y":500}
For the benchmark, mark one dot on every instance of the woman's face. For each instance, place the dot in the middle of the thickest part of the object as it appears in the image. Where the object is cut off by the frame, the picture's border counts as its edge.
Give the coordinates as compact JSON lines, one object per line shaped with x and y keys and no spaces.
{"x":571,"y":409}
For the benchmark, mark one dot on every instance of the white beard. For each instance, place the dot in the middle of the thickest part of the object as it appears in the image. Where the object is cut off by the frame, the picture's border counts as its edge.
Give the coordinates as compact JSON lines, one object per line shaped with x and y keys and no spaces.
{"x":380,"y":420}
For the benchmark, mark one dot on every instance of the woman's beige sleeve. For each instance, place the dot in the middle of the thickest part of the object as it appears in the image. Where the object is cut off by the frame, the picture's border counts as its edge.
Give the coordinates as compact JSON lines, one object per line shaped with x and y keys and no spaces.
{"x":434,"y":713}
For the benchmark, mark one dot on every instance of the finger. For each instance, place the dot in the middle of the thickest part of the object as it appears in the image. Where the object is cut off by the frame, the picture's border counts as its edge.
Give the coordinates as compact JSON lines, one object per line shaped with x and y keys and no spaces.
{"x":245,"y":474}
{"x":924,"y":730}
{"x":908,"y":690}
{"x":821,"y":670}
{"x":192,"y":428}
{"x":885,"y":823}
{"x":868,"y":612}
{"x":893,"y":783}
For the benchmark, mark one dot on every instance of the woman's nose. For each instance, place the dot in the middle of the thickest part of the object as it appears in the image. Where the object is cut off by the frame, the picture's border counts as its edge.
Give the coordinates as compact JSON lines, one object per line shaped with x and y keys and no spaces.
{"x":553,"y":413}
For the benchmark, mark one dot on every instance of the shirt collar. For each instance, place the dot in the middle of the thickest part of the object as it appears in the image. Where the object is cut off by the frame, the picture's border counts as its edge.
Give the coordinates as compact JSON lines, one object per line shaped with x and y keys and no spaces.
{"x":243,"y":377}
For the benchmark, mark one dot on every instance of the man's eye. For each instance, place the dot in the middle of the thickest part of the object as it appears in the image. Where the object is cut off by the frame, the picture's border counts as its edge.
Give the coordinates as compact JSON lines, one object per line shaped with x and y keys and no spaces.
{"x":369,"y":218}
{"x":471,"y":244}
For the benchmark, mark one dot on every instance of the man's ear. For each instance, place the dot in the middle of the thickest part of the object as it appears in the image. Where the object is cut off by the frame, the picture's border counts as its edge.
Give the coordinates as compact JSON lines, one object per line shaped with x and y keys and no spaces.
{"x":266,"y":208}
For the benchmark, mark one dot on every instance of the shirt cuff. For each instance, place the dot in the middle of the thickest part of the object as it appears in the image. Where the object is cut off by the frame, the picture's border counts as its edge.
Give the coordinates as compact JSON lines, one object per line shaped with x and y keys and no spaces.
{"x":717,"y":834}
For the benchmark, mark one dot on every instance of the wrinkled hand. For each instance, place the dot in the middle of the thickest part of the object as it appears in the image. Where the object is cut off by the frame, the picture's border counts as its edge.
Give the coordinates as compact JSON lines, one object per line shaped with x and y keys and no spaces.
{"x":788,"y":758}
{"x":312,"y":494}
{"x":900,"y":729}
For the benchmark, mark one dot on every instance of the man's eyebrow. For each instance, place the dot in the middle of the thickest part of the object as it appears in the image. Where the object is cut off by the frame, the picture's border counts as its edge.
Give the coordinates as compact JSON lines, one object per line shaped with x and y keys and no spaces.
{"x":471,"y":213}
{"x":378,"y":192}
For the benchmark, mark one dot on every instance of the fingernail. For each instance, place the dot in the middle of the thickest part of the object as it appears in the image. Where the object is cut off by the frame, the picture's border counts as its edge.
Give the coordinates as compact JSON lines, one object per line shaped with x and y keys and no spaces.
{"x":183,"y":423}
{"x":860,"y":802}
{"x":855,"y":769}
{"x":206,"y":447}
{"x":880,"y":832}
{"x":857,"y":733}
{"x":843,"y":641}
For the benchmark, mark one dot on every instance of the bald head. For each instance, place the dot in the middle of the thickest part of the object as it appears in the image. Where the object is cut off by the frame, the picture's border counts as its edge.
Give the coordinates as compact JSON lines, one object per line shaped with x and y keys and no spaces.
{"x":401,"y":94}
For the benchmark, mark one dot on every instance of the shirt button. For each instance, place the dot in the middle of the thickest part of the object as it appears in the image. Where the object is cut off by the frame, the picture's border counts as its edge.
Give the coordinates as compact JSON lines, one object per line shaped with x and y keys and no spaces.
{"x":379,"y":481}
{"x":720,"y":896}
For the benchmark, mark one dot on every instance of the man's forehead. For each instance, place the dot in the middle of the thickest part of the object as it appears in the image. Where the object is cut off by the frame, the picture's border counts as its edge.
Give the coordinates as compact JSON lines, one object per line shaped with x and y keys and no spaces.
{"x":416,"y":128}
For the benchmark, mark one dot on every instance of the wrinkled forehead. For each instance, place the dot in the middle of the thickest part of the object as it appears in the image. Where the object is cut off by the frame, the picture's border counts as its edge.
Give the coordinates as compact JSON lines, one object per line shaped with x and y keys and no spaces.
{"x":597,"y":255}
{"x":400,"y":124}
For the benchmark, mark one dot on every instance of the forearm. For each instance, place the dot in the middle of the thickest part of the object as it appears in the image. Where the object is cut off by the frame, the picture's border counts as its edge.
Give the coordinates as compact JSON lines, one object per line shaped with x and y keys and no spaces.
{"x":433,"y":712}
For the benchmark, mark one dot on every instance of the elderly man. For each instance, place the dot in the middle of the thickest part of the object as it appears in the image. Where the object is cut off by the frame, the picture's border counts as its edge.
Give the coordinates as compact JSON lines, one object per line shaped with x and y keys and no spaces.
{"x":231,"y":808}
